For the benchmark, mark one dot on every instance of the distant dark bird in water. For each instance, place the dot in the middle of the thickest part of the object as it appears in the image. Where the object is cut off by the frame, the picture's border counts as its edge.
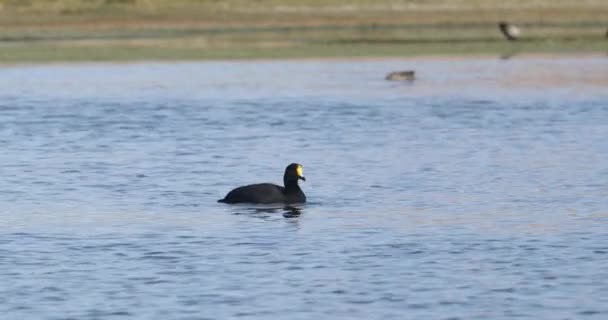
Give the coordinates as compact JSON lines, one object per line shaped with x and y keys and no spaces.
{"x":266,"y":193}
{"x":408,"y":75}
{"x":510,"y":31}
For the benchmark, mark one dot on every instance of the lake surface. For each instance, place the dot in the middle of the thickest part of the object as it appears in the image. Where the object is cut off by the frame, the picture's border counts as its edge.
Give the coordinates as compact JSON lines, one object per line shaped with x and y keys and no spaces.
{"x":478,"y":191}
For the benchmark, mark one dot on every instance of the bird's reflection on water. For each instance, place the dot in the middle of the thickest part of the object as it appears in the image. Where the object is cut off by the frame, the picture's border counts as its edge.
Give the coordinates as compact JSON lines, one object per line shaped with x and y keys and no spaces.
{"x":287,"y":211}
{"x":510,"y":53}
{"x":291,"y":212}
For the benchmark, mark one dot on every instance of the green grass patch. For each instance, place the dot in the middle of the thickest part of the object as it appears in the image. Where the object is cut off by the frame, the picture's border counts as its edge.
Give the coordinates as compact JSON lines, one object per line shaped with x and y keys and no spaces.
{"x":54,"y":53}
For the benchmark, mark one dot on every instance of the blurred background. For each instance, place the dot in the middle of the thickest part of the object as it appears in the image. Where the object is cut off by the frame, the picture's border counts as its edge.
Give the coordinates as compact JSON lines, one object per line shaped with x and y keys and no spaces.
{"x":61,"y":30}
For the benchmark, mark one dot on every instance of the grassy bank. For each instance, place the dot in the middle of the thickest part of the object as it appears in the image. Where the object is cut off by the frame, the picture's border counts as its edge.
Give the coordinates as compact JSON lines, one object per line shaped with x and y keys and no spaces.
{"x":106,"y":30}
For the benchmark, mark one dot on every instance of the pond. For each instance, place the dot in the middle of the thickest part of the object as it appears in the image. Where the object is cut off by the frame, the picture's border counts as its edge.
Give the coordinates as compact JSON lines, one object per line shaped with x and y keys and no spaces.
{"x":479,"y":190}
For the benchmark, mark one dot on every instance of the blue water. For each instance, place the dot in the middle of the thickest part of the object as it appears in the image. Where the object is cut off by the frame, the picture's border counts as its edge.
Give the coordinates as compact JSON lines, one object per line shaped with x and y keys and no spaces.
{"x":478,"y":191}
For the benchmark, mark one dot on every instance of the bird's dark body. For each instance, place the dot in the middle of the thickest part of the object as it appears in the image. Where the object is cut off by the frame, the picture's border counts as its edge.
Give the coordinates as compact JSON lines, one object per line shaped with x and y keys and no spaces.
{"x":264,"y":193}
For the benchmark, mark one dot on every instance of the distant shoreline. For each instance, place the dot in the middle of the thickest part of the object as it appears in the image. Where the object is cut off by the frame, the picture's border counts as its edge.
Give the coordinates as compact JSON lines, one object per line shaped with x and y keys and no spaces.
{"x":163,"y":30}
{"x":162,"y":51}
{"x":464,"y":57}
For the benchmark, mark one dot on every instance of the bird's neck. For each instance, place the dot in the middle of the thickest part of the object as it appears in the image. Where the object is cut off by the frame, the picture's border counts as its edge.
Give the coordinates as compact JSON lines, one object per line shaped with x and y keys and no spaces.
{"x":291,"y":184}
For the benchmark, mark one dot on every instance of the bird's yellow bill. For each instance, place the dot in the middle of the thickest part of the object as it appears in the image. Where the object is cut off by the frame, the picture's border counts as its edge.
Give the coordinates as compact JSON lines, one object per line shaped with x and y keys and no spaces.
{"x":299,"y":171}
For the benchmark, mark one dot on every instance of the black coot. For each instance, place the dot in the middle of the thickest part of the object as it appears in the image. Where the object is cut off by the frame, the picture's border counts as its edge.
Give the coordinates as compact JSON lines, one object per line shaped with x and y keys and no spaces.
{"x":271,"y":193}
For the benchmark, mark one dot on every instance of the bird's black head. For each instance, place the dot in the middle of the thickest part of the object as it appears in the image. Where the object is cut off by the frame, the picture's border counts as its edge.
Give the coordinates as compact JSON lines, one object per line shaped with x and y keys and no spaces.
{"x":293,"y":173}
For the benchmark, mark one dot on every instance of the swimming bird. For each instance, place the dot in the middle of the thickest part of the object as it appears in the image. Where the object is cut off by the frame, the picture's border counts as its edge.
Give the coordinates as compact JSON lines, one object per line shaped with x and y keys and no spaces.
{"x":265,"y":193}
{"x":408,"y":75}
{"x":510,"y":31}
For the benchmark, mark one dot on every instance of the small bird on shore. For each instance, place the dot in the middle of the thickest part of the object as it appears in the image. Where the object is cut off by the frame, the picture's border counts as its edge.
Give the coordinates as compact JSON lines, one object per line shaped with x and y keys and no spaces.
{"x":510,"y":31}
{"x":408,"y":75}
{"x":267,"y":193}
